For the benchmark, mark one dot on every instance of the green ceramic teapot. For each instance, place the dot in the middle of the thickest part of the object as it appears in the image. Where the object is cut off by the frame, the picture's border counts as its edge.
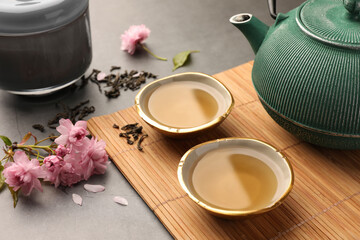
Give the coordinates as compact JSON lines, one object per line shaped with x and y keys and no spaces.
{"x":307,"y":69}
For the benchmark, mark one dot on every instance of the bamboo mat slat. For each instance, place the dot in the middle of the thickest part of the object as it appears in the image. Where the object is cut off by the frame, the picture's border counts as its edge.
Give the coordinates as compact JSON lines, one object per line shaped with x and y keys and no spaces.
{"x":324,"y":203}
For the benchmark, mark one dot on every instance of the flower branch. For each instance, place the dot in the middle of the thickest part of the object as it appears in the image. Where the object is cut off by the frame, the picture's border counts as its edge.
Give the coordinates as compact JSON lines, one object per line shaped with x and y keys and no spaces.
{"x":151,"y":53}
{"x":72,"y":158}
{"x":136,"y":35}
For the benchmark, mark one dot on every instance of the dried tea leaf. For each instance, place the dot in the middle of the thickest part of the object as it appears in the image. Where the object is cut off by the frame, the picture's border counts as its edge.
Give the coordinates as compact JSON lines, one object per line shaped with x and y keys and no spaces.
{"x":120,"y":200}
{"x":94,"y":188}
{"x":6,"y":140}
{"x":139,"y":147}
{"x":113,"y":68}
{"x":116,"y":82}
{"x":180,"y":59}
{"x":129,"y":126}
{"x":2,"y":178}
{"x":39,"y":127}
{"x":77,"y":199}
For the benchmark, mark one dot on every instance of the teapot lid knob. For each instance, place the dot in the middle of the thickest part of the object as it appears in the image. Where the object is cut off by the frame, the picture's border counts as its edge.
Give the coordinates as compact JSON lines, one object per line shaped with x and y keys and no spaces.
{"x":353,"y":6}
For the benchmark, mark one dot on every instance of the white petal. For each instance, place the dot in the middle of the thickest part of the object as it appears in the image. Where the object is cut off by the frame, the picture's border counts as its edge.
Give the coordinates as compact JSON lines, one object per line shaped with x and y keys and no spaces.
{"x":94,"y":188}
{"x":120,"y":200}
{"x":77,"y":199}
{"x":101,"y":76}
{"x":137,"y":74}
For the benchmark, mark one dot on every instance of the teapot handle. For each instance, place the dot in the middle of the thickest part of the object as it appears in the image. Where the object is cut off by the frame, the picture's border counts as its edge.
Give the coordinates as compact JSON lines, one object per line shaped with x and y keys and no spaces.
{"x":272,"y":8}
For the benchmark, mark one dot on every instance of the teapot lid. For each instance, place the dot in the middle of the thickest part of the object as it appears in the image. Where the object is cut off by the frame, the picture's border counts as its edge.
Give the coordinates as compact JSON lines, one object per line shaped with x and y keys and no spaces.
{"x":21,"y":17}
{"x":336,"y":22}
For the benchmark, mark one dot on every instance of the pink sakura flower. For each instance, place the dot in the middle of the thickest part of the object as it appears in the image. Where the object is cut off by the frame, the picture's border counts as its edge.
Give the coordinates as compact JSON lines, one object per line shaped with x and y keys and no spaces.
{"x":75,"y":157}
{"x":61,"y":150}
{"x":95,"y":159}
{"x":136,"y":35}
{"x":98,"y":155}
{"x":68,"y":175}
{"x":61,"y":171}
{"x":23,"y":174}
{"x":80,"y":163}
{"x":71,"y":134}
{"x":91,"y":158}
{"x":52,"y":166}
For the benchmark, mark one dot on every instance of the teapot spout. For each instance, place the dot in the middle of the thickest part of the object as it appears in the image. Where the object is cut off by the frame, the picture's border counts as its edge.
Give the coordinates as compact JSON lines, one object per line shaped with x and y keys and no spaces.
{"x":253,"y":29}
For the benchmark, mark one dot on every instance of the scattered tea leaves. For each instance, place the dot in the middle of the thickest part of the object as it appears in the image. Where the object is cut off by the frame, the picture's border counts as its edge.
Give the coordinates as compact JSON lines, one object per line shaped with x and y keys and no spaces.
{"x":94,"y":188}
{"x":116,"y":81}
{"x":85,"y":112}
{"x":180,"y":59}
{"x":39,"y":127}
{"x":116,"y":126}
{"x":128,"y":138}
{"x":133,"y":131}
{"x":77,"y":199}
{"x":120,"y":200}
{"x":78,"y":112}
{"x":6,"y":140}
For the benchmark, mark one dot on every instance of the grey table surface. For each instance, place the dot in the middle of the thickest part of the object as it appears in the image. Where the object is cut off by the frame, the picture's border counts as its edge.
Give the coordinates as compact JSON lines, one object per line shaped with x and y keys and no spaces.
{"x":175,"y":26}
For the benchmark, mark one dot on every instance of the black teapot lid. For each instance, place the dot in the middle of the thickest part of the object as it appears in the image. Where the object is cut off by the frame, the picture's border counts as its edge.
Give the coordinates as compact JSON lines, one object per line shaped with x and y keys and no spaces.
{"x":21,"y":17}
{"x":336,"y":22}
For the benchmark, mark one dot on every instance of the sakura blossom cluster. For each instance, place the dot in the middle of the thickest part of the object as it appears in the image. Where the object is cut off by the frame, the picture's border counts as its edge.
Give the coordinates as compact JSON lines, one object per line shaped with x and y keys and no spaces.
{"x":75,"y":158}
{"x":136,"y":34}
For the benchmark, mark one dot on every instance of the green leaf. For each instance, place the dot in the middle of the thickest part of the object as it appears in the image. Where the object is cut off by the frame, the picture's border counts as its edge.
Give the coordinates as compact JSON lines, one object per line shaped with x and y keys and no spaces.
{"x":14,"y":195}
{"x":2,"y":178}
{"x":6,"y":140}
{"x":180,"y":59}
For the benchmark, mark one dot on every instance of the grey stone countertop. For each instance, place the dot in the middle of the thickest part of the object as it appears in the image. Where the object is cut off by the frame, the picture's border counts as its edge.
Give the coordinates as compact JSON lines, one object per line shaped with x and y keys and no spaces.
{"x":175,"y":26}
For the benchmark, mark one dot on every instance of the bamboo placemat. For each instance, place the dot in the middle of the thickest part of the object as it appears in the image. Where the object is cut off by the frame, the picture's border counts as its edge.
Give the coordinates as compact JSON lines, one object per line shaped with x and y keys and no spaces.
{"x":324,"y":203}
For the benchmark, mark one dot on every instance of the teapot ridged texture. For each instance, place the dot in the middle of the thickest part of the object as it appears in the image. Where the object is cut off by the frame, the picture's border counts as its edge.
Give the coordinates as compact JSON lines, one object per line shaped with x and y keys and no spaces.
{"x":308,"y":82}
{"x":330,"y":21}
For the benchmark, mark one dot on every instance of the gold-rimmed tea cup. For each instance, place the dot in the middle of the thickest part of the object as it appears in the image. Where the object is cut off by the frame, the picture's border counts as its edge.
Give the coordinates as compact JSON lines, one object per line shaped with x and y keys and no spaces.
{"x":218,"y":91}
{"x":254,"y":148}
